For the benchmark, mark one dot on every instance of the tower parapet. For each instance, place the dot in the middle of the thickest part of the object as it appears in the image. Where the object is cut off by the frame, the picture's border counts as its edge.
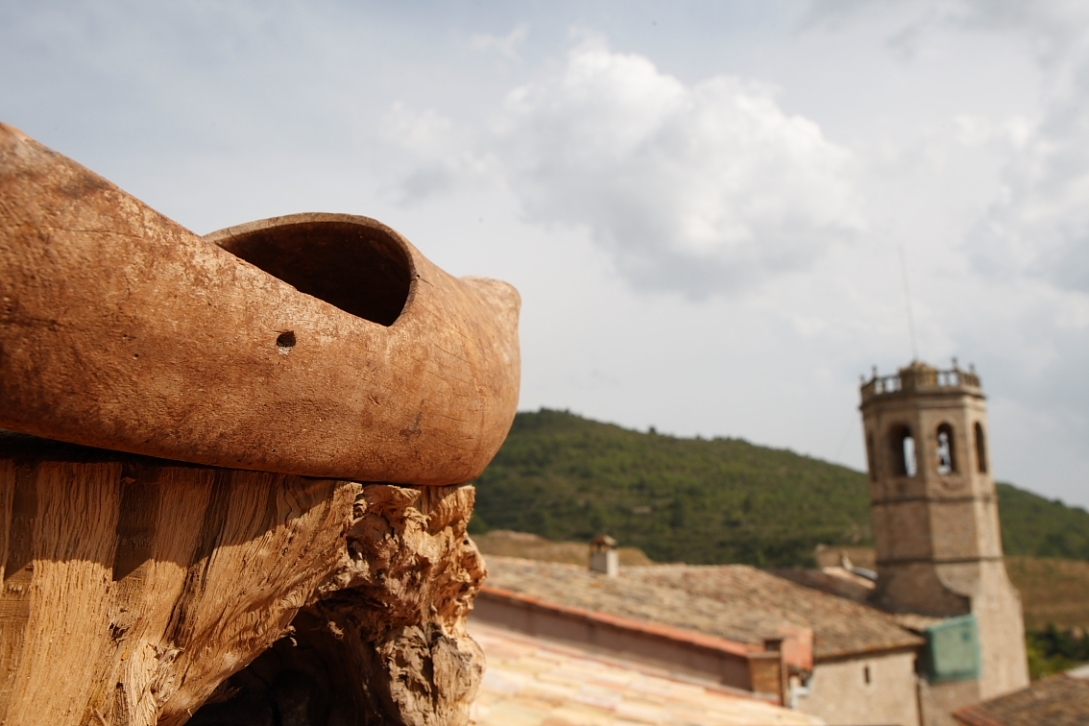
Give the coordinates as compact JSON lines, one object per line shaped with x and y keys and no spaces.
{"x":918,"y":377}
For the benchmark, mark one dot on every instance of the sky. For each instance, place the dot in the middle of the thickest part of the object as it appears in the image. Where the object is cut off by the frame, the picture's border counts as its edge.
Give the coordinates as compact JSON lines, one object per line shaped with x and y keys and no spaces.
{"x":719,"y":214}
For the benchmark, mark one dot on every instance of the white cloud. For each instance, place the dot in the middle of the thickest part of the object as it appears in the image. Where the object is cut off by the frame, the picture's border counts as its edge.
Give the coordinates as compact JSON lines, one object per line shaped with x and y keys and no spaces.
{"x":972,"y":130}
{"x":441,"y":154}
{"x":700,"y":189}
{"x":607,"y":162}
{"x":1040,"y":223}
{"x":506,"y":46}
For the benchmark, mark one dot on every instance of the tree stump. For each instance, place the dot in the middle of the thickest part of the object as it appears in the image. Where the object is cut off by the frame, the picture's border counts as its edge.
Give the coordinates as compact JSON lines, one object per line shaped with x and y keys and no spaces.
{"x":134,"y":588}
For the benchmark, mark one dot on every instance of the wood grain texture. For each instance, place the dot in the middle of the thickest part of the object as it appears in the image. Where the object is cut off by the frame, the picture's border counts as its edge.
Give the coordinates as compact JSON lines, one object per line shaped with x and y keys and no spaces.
{"x":134,"y":589}
{"x":320,"y":345}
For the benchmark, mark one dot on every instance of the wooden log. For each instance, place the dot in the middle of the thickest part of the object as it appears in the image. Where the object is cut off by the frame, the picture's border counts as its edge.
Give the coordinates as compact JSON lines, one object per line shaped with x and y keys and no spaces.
{"x":340,"y":352}
{"x":135,"y":590}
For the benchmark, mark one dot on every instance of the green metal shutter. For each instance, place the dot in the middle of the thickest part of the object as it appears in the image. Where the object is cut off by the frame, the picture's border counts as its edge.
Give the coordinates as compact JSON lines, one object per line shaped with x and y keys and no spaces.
{"x":952,"y":650}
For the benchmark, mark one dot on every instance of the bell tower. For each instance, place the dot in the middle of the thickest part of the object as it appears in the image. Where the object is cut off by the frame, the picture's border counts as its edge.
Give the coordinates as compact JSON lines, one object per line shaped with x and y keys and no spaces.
{"x":935,"y":512}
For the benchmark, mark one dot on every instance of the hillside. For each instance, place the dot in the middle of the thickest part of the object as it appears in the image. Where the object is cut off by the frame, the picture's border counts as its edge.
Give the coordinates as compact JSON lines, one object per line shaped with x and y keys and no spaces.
{"x":568,"y":478}
{"x":564,"y":477}
{"x":1053,"y":591}
{"x":1033,"y":525}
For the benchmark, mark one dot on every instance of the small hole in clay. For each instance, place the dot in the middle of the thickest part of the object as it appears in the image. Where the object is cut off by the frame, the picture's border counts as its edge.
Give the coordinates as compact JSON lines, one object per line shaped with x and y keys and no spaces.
{"x":286,"y":341}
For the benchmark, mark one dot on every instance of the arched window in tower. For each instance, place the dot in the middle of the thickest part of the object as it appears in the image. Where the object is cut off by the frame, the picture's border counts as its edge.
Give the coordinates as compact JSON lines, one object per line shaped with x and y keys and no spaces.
{"x":869,"y":457}
{"x":947,"y":460}
{"x":981,"y":449}
{"x":903,"y":451}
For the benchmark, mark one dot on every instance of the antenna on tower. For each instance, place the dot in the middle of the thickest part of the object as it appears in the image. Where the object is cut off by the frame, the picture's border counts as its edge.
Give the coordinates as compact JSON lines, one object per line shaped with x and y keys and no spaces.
{"x":907,"y":305}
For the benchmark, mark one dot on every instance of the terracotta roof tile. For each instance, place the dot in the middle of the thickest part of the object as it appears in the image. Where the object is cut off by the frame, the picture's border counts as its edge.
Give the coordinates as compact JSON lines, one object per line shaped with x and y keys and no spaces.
{"x":532,"y":682}
{"x":735,"y":602}
{"x":1061,"y":700}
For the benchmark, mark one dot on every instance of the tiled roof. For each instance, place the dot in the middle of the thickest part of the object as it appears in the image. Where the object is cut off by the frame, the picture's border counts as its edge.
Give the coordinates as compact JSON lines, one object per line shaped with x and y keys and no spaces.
{"x":1061,"y":700}
{"x":687,"y":635}
{"x":529,"y":682}
{"x":833,"y":580}
{"x":735,"y":602}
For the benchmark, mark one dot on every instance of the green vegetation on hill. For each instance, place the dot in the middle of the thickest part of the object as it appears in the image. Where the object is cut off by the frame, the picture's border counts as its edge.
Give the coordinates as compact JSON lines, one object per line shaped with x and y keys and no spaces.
{"x":1032,"y":525}
{"x":567,"y":478}
{"x":564,"y":477}
{"x":1053,"y":651}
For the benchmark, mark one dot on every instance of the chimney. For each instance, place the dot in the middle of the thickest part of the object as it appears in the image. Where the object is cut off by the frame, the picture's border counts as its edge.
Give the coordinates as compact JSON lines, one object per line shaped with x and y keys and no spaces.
{"x":604,"y":557}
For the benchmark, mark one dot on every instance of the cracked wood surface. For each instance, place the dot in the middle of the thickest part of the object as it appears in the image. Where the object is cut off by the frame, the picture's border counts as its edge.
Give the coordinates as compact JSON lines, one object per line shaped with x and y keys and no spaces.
{"x":136,"y":590}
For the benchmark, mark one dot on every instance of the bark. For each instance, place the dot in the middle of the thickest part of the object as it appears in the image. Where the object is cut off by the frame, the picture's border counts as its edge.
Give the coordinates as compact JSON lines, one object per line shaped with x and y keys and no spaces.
{"x":136,"y":590}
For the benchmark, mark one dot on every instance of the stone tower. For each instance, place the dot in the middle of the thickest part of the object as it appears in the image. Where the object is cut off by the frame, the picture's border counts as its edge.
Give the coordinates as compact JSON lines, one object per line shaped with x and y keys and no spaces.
{"x":935,"y":512}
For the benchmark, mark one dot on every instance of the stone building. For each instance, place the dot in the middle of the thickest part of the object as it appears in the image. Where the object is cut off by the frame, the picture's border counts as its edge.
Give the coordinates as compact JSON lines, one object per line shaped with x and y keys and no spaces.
{"x":935,"y":524}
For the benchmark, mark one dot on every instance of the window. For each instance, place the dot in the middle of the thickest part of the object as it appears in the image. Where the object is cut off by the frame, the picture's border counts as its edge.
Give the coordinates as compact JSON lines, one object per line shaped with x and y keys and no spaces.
{"x":866,"y":674}
{"x":869,"y":457}
{"x":903,"y":451}
{"x":981,"y":449}
{"x":947,"y":460}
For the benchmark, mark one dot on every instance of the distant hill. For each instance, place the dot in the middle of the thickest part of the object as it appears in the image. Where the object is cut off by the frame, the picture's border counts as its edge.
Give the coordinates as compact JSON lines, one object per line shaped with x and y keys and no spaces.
{"x":1039,"y":527}
{"x":565,"y":477}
